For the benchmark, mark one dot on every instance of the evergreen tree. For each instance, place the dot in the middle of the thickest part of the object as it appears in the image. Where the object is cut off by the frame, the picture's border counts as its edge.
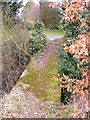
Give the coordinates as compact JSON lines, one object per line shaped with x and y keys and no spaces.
{"x":10,"y":9}
{"x":49,"y":16}
{"x":38,"y":39}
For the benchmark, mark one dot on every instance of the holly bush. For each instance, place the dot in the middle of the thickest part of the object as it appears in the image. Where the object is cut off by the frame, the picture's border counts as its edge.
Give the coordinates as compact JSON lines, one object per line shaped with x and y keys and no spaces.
{"x":38,"y":40}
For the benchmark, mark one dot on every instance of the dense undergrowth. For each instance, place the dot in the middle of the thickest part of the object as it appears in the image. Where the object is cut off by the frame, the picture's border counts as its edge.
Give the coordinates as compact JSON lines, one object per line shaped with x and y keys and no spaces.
{"x":73,"y":56}
{"x":19,"y":44}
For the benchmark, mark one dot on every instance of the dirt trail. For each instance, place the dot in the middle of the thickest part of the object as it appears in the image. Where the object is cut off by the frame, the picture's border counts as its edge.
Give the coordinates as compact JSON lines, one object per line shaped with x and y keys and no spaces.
{"x":21,"y":103}
{"x":54,"y":36}
{"x":51,"y":48}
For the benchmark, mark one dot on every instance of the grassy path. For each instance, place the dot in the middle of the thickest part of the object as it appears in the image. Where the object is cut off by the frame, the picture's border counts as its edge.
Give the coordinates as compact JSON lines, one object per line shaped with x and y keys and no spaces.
{"x":39,"y":75}
{"x":53,"y":34}
{"x":54,"y":31}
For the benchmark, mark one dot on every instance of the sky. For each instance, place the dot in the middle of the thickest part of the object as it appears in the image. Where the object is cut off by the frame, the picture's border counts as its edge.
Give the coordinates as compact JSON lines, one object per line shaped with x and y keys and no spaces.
{"x":37,"y":1}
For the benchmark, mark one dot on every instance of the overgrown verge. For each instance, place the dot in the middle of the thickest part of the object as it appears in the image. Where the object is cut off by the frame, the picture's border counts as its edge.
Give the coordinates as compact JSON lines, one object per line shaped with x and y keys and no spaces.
{"x":14,"y":55}
{"x":15,"y":52}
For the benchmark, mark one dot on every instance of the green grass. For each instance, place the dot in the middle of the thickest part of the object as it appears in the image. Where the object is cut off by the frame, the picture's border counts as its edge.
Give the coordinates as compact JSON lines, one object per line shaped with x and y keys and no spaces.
{"x":54,"y":31}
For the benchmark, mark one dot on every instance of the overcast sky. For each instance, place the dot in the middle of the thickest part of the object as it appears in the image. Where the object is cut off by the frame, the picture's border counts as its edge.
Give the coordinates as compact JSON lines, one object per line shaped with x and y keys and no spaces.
{"x":37,"y":1}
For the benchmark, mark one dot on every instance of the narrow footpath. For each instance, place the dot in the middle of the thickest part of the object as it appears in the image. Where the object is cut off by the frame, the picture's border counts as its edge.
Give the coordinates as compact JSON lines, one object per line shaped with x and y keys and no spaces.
{"x":36,"y":94}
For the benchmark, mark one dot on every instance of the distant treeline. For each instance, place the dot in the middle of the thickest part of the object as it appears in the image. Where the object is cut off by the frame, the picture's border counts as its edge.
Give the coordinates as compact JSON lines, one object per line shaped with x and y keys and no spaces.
{"x":49,"y":16}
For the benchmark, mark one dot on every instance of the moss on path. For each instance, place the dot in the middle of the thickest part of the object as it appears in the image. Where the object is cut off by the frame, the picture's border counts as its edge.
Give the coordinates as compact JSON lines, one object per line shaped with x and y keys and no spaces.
{"x":40,"y":73}
{"x":40,"y":79}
